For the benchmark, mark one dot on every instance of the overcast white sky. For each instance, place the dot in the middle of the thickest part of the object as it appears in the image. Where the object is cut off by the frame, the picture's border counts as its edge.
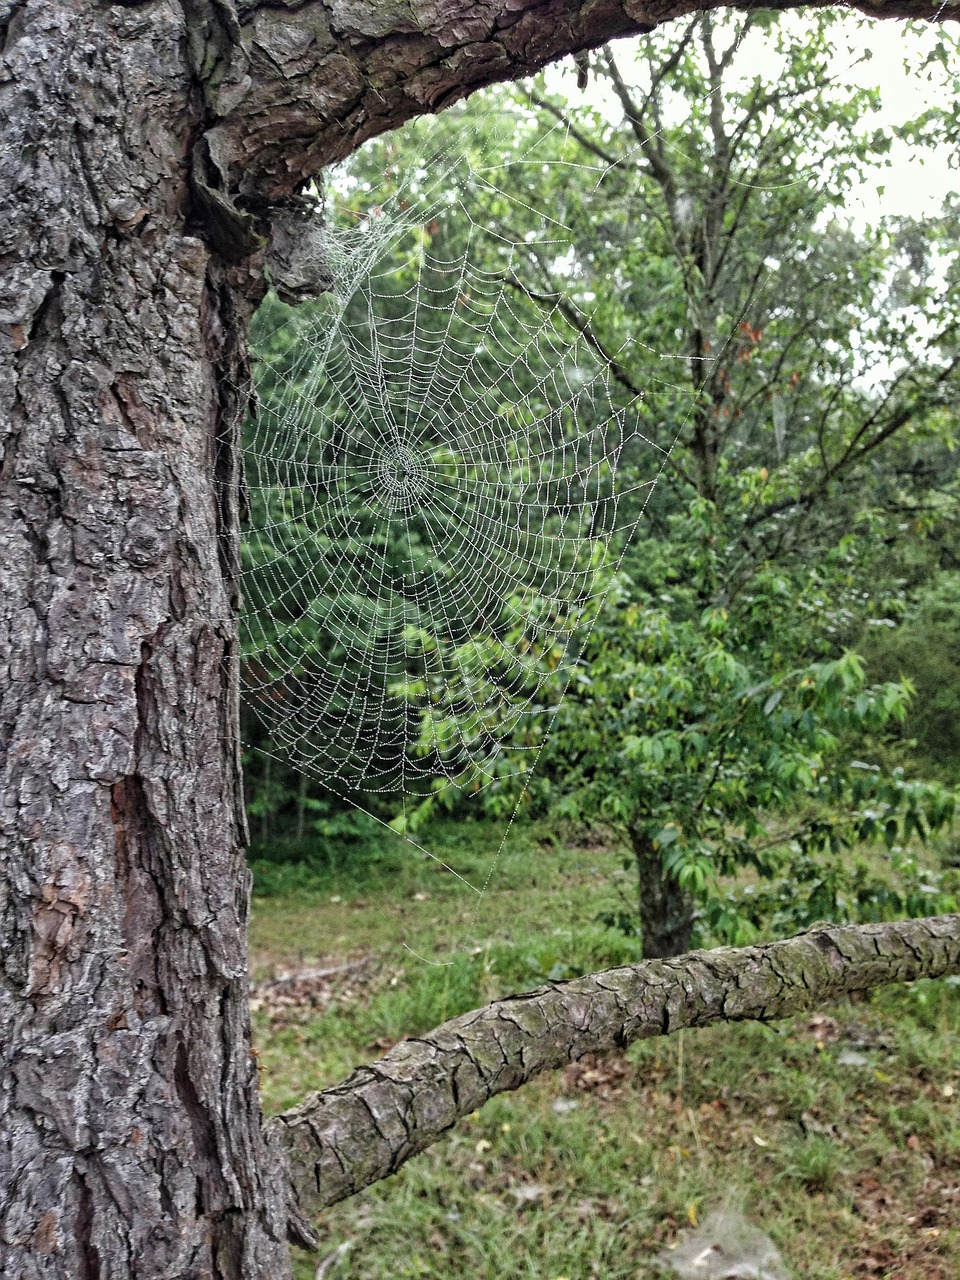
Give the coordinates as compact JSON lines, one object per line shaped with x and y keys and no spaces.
{"x":918,"y":180}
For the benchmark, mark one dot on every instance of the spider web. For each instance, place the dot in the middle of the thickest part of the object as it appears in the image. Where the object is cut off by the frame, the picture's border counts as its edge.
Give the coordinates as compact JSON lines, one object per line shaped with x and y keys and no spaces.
{"x":443,"y":473}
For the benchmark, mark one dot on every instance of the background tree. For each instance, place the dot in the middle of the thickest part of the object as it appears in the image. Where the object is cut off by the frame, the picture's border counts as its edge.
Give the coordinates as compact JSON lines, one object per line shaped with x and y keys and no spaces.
{"x":811,"y":404}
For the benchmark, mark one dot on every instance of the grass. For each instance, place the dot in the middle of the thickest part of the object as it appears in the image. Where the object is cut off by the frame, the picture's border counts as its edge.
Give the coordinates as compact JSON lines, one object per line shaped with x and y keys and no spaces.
{"x":837,"y":1134}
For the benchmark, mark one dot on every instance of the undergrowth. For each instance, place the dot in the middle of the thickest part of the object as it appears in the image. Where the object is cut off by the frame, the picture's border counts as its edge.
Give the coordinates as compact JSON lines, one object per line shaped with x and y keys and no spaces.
{"x":837,"y":1133}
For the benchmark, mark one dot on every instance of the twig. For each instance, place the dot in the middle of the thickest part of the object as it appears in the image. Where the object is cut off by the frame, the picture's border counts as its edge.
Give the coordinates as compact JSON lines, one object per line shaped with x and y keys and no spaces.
{"x":330,"y":1261}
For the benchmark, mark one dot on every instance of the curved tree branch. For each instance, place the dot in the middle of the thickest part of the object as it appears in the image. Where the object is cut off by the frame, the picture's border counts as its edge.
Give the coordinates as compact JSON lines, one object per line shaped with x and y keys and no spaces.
{"x":364,"y":1129}
{"x":288,"y":90}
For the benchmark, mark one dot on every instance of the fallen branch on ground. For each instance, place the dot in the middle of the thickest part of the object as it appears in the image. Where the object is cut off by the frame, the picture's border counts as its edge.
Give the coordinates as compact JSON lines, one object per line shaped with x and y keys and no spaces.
{"x":362,"y":1130}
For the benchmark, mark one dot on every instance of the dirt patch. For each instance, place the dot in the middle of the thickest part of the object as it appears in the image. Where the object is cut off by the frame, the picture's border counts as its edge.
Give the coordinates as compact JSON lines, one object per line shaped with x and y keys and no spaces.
{"x":290,"y":997}
{"x":603,"y":1075}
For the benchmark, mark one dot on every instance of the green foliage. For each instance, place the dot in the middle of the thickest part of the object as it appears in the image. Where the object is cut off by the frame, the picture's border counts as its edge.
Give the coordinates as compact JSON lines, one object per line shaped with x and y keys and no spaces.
{"x":719,"y":712}
{"x":335,"y":842}
{"x":802,"y":888}
{"x":721,"y":746}
{"x":925,"y":648}
{"x":753,"y":670}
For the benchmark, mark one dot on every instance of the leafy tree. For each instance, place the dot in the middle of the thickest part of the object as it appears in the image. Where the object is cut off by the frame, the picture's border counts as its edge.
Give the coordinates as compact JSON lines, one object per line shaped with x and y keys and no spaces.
{"x":731,"y":752}
{"x":925,"y":648}
{"x":813,"y":396}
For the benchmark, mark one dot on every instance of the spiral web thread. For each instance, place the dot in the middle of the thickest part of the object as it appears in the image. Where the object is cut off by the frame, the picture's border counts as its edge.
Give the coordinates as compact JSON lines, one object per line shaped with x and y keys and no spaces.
{"x":443,"y":475}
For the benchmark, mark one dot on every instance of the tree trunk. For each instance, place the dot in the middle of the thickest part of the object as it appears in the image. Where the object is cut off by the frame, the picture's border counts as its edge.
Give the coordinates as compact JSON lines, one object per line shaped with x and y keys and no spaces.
{"x":131,"y":1141}
{"x":667,"y":911}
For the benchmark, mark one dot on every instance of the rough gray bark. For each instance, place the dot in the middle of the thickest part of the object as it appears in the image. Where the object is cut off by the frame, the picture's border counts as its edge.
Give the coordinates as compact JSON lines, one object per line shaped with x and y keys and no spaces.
{"x":149,"y":153}
{"x":290,"y":89}
{"x":131,"y":1139}
{"x":363,"y":1130}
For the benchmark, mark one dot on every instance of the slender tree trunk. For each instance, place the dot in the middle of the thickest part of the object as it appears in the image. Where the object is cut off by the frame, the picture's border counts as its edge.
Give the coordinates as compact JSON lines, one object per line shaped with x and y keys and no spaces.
{"x":301,"y":806}
{"x":667,"y":912}
{"x":266,"y":815}
{"x":131,"y":1137}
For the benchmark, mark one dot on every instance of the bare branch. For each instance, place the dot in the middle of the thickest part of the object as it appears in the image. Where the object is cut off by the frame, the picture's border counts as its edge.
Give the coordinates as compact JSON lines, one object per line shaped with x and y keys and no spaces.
{"x":860,"y":446}
{"x":577,"y":320}
{"x":649,"y":143}
{"x":364,"y":1129}
{"x":661,"y":73}
{"x":588,"y":143}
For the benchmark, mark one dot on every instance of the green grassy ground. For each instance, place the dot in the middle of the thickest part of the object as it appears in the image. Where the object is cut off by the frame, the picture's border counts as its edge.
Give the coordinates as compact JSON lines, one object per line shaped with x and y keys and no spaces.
{"x":838,"y":1134}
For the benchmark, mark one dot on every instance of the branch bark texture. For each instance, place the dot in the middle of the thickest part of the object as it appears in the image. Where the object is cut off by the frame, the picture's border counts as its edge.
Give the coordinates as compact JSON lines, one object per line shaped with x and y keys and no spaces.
{"x":359,"y":1132}
{"x":290,"y":89}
